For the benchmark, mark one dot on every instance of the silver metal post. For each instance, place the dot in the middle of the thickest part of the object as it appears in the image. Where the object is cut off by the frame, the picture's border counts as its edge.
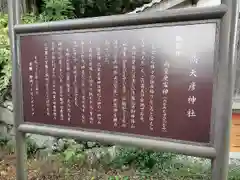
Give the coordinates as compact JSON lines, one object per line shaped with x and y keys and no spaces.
{"x":14,"y":18}
{"x":225,"y":84}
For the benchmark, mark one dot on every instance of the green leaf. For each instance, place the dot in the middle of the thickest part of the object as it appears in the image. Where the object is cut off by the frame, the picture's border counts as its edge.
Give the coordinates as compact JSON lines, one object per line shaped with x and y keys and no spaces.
{"x":69,"y":154}
{"x":101,"y":5}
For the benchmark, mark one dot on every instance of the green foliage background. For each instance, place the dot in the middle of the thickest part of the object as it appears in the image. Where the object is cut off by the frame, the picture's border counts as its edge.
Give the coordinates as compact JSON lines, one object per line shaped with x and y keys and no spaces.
{"x":88,"y":8}
{"x":5,"y":61}
{"x":52,"y":10}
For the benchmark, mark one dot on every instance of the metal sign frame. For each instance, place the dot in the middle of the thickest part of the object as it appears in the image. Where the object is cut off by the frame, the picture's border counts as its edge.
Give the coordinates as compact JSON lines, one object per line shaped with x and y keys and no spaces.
{"x":215,"y":22}
{"x":217,"y":150}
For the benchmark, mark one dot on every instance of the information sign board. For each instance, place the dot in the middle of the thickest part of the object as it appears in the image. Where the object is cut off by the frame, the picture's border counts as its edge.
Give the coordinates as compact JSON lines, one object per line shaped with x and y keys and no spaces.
{"x":148,"y":80}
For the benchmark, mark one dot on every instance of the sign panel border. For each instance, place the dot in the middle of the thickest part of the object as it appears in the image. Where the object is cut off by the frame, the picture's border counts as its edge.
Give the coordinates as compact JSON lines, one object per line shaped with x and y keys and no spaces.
{"x":132,"y":27}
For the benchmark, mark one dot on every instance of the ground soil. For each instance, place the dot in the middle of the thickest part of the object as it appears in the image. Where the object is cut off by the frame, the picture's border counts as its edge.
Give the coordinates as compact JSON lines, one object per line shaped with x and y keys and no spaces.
{"x":52,"y":169}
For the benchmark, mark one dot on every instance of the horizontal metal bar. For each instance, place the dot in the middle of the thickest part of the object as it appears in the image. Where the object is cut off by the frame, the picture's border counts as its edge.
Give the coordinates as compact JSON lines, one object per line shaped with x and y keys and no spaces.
{"x":172,"y":15}
{"x":191,"y":150}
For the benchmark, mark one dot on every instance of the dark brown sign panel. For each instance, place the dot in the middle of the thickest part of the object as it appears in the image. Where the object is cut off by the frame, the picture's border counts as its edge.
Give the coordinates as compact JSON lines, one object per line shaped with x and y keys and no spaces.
{"x":154,"y":81}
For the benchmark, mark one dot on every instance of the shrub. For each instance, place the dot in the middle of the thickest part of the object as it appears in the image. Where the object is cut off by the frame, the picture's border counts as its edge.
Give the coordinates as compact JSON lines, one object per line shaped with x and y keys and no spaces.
{"x":57,"y":10}
{"x":143,"y":160}
{"x":5,"y":60}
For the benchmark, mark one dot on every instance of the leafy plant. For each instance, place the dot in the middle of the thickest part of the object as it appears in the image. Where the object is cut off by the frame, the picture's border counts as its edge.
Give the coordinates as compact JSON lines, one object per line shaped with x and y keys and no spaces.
{"x":30,"y":18}
{"x":73,"y":155}
{"x":234,"y":173}
{"x":3,"y":140}
{"x":143,"y":160}
{"x":57,"y":10}
{"x":32,"y":147}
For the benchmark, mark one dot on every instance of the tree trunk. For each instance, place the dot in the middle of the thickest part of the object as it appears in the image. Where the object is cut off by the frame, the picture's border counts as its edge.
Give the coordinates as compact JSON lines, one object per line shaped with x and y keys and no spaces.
{"x":32,"y":6}
{"x":3,"y":6}
{"x":25,"y":6}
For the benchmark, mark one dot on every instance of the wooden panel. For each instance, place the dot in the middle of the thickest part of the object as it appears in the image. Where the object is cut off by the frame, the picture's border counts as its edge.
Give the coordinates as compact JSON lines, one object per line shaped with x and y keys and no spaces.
{"x":236,"y":122}
{"x":235,"y":134}
{"x":235,"y":131}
